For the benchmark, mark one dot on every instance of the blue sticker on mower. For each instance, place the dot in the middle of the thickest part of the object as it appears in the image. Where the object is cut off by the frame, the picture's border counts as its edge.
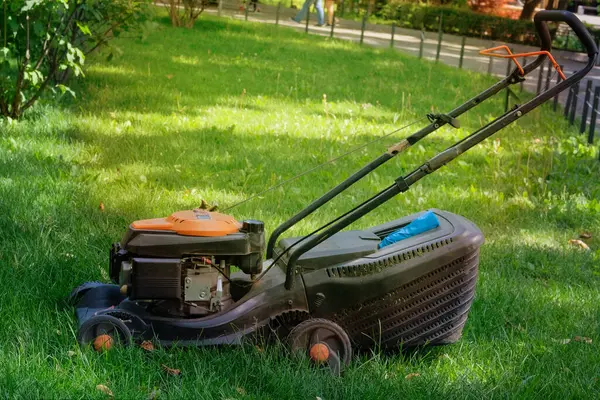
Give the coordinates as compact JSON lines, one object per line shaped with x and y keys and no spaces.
{"x":425,"y":222}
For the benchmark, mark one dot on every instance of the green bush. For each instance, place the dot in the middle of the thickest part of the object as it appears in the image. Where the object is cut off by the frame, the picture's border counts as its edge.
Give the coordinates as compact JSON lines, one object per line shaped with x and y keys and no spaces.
{"x":464,"y":22}
{"x":461,"y":22}
{"x":44,"y":42}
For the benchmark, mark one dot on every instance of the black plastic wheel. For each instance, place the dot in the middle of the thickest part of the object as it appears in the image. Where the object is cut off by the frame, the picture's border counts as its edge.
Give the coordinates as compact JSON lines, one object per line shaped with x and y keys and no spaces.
{"x":100,"y":325}
{"x":310,"y":334}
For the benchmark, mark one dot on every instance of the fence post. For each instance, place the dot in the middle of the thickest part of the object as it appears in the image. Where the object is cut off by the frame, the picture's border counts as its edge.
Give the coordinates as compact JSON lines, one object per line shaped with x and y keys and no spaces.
{"x":307,"y":20}
{"x":574,"y":104}
{"x":440,"y":34}
{"x":393,"y":33}
{"x":548,"y":74}
{"x":540,"y":76}
{"x":332,"y":25}
{"x":220,"y":8}
{"x":508,"y":65}
{"x":556,"y":97}
{"x":462,"y":52}
{"x":246,"y":10}
{"x":490,"y":61}
{"x":523,"y":64}
{"x":592,"y":131}
{"x":584,"y":112}
{"x":569,"y":99}
{"x":342,"y":6}
{"x":278,"y":12}
{"x":362,"y":29}
{"x":421,"y":44}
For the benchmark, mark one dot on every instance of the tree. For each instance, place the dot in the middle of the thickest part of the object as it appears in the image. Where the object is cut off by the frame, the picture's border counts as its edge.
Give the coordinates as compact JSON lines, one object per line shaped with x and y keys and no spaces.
{"x":529,"y":9}
{"x":530,"y":5}
{"x":44,"y":42}
{"x":184,"y":12}
{"x":493,"y":7}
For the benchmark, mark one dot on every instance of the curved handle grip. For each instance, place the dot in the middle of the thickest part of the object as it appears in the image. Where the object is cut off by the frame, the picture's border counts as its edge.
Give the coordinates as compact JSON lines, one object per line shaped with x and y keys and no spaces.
{"x":563,"y":16}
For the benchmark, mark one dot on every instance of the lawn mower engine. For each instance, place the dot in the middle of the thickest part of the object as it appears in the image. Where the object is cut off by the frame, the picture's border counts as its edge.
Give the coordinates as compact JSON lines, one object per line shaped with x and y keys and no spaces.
{"x":180,"y":266}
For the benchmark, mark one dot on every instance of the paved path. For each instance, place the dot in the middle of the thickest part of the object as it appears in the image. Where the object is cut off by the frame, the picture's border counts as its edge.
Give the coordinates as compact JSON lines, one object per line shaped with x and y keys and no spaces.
{"x":408,"y":41}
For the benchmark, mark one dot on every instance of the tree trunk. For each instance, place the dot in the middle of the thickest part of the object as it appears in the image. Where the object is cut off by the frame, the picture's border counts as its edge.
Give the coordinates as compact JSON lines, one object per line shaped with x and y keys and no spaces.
{"x":529,"y":9}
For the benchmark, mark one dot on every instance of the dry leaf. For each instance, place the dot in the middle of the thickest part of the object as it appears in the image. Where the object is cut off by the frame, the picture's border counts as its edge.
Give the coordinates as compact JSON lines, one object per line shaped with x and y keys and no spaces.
{"x":104,"y":389}
{"x":170,"y":76}
{"x":258,"y":348}
{"x":562,"y":341}
{"x":582,"y":339}
{"x":171,"y":371}
{"x":147,"y":345}
{"x":101,"y":206}
{"x":71,"y":353}
{"x":241,"y":391}
{"x":580,"y":243}
{"x":585,"y":235}
{"x":412,"y":375}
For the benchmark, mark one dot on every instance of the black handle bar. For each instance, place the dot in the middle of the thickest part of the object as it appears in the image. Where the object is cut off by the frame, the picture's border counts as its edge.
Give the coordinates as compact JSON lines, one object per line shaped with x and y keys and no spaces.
{"x":563,"y":16}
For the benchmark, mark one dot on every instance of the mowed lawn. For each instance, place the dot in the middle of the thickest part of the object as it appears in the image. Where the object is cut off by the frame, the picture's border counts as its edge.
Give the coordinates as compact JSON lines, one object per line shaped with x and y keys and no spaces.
{"x":224,"y":110}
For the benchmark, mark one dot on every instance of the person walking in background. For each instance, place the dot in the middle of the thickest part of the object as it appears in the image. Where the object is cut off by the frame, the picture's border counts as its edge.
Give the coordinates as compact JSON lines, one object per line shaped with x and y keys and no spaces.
{"x":301,"y":16}
{"x":329,"y":5}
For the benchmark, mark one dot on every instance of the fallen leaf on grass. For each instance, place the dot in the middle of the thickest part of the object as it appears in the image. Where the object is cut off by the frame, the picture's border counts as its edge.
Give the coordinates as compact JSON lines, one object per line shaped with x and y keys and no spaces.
{"x":580,"y":243}
{"x":169,"y":76}
{"x":241,"y":391}
{"x":562,"y":341}
{"x":583,"y":339}
{"x":585,"y":235}
{"x":101,"y":206}
{"x":70,"y":353}
{"x":147,"y":345}
{"x":104,"y":389}
{"x":412,"y":375}
{"x":171,"y":371}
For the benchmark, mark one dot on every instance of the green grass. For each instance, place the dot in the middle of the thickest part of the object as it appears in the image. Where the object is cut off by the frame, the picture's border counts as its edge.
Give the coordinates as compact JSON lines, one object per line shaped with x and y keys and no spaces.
{"x":224,"y":110}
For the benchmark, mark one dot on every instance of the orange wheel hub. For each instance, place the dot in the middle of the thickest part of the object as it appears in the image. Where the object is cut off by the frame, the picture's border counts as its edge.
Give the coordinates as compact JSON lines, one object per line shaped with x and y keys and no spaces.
{"x":103,"y":342}
{"x":319,"y":352}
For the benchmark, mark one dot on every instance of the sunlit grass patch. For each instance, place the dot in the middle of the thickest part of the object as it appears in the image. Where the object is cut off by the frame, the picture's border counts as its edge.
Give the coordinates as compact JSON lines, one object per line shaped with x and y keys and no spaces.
{"x":227,"y":109}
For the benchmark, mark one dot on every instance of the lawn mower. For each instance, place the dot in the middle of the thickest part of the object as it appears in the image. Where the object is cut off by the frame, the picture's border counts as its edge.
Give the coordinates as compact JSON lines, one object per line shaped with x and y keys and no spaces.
{"x":200,"y":277}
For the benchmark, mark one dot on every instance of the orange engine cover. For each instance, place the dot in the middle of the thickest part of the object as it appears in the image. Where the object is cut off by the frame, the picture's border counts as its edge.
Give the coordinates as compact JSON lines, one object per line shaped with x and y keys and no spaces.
{"x":195,"y":222}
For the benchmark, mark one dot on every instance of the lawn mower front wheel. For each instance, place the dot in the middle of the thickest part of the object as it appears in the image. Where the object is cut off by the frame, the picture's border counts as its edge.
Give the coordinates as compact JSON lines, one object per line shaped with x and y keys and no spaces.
{"x":103,"y":332}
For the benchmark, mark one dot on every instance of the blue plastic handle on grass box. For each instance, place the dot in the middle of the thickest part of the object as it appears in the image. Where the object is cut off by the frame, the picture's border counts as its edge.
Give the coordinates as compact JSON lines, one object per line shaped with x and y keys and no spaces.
{"x":423,"y":223}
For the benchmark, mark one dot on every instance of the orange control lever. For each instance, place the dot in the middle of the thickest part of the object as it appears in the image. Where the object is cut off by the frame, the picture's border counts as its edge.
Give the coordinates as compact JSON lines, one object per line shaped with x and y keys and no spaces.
{"x":491,"y":52}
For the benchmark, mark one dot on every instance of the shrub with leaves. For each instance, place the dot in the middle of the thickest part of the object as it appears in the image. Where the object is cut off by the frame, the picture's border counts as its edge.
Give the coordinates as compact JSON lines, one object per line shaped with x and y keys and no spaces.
{"x":184,"y":12}
{"x":44,"y":42}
